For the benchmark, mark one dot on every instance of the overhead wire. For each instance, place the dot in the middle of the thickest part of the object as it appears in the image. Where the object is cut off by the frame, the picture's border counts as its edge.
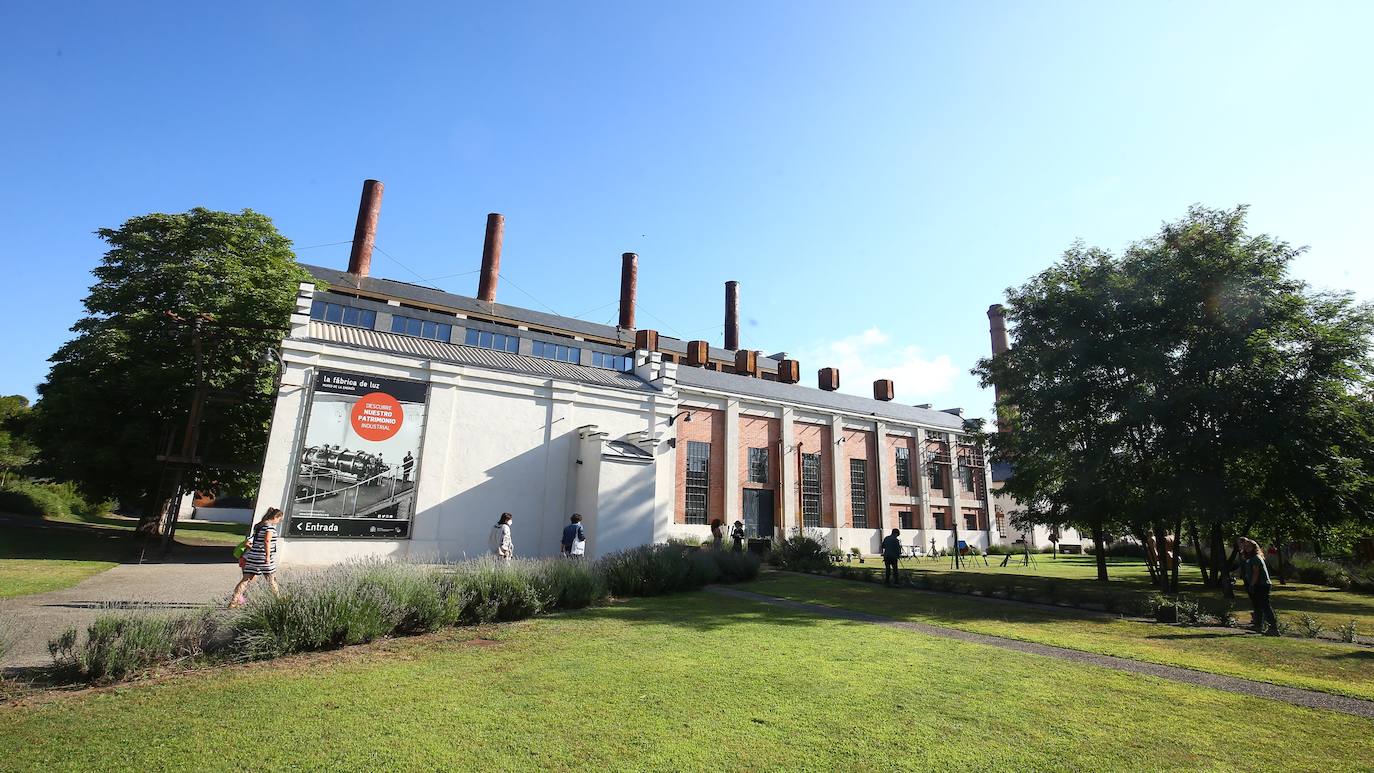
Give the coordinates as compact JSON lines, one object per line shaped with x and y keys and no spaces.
{"x":330,"y":244}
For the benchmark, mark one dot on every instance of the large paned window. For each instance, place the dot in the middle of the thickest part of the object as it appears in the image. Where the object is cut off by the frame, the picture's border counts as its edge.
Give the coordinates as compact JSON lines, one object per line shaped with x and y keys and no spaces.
{"x":698,"y":481}
{"x":422,"y":328}
{"x":904,"y":467}
{"x":971,"y":521}
{"x":620,"y":362}
{"x":966,"y":475}
{"x":488,"y":340}
{"x":324,"y":311}
{"x":939,"y":517}
{"x":936,"y":471}
{"x":905,"y":519}
{"x":1001,"y":524}
{"x":858,"y":493}
{"x":811,"y":491}
{"x":758,"y":465}
{"x":558,"y":352}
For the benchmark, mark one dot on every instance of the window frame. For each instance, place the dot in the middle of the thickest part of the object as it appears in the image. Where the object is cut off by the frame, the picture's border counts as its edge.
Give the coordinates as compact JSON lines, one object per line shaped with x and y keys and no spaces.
{"x":509,"y":343}
{"x":697,"y":487}
{"x":758,"y":465}
{"x":811,"y":491}
{"x":858,"y":493}
{"x":903,"y":466}
{"x":906,"y":519}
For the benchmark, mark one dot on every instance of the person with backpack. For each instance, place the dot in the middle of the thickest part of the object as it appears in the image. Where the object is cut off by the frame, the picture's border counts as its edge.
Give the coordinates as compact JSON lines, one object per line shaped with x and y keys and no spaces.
{"x":892,"y":552}
{"x":260,"y":557}
{"x":574,"y":541}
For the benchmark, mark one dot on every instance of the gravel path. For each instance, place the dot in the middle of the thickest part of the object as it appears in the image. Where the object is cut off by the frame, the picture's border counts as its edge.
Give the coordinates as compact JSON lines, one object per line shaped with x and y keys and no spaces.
{"x":153,"y":588}
{"x":1309,"y":698}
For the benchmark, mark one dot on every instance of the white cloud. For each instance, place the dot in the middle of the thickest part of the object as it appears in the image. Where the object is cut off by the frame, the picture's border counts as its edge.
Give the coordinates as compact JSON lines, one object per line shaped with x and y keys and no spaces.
{"x":870,"y":355}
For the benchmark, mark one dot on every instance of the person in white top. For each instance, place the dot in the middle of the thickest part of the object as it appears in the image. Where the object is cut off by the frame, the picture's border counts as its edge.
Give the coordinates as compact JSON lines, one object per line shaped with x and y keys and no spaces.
{"x":501,"y":544}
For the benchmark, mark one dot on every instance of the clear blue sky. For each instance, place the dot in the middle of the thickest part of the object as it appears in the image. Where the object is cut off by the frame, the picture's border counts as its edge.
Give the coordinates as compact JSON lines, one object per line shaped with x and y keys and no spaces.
{"x":874,"y":174}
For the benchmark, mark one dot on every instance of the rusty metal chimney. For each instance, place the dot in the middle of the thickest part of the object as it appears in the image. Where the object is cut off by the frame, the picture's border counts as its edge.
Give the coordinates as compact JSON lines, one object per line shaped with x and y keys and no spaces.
{"x":698,"y":354}
{"x":491,"y":258}
{"x":829,"y":379}
{"x":883,"y":389}
{"x":629,"y":282}
{"x":732,"y":315}
{"x":365,"y":232}
{"x":789,"y":371}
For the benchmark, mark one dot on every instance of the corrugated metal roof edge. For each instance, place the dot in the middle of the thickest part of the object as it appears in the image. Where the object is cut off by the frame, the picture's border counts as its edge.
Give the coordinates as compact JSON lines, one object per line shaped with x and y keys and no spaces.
{"x":535,"y":366}
{"x":433,"y":295}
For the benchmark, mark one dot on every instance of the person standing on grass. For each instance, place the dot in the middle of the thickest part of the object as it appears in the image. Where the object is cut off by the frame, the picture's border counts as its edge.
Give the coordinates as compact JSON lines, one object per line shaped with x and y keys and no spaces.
{"x":717,"y":533}
{"x":737,"y":535}
{"x":502,"y":546}
{"x":260,"y":559}
{"x":574,"y":541}
{"x":1255,"y":574}
{"x":892,"y":551}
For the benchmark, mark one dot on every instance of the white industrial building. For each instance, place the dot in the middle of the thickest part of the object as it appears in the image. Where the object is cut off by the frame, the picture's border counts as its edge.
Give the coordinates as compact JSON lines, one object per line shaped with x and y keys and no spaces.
{"x":409,"y":418}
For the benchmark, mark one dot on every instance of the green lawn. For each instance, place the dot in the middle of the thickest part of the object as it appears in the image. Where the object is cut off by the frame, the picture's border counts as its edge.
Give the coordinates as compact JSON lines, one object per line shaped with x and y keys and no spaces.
{"x":34,"y":560}
{"x":196,"y":532}
{"x":38,"y":559}
{"x":1076,"y":576}
{"x":1318,"y":665}
{"x":689,"y":682}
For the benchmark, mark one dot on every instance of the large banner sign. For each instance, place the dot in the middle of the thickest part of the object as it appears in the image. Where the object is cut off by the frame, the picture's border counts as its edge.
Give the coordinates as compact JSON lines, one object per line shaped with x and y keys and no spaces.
{"x":360,"y":458}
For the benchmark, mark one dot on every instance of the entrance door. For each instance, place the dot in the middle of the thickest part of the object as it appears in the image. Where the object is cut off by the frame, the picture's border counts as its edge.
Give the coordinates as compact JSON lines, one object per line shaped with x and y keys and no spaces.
{"x":758,"y":513}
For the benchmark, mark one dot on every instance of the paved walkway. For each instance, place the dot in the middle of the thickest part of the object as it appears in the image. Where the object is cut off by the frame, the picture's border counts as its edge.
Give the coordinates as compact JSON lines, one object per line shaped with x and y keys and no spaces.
{"x":154,"y":588}
{"x":1309,"y":698}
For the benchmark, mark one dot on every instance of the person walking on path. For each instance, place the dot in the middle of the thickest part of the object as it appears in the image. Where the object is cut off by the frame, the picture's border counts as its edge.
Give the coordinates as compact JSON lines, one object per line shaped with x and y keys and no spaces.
{"x":574,"y":538}
{"x":260,"y":559}
{"x":1255,"y":574}
{"x":717,"y":533}
{"x":892,"y":551}
{"x":737,"y":535}
{"x":501,"y":544}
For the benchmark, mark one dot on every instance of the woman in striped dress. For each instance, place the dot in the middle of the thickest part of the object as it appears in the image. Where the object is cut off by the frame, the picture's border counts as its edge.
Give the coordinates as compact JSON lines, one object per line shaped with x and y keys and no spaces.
{"x":261,"y":556}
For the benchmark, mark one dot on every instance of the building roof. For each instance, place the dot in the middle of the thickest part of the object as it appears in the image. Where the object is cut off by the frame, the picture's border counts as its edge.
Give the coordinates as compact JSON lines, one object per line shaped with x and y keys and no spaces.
{"x":464,"y":304}
{"x":818,"y":398}
{"x":376,"y":340}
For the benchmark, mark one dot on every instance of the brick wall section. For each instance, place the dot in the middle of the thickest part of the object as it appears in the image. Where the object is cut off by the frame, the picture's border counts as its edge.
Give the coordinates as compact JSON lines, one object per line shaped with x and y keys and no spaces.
{"x":859,"y":444}
{"x":889,"y":462}
{"x":706,"y":426}
{"x":814,"y":439}
{"x":759,"y":432}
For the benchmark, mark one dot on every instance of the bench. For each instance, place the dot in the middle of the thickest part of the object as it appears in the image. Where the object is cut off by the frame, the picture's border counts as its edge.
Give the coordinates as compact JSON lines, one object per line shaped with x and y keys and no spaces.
{"x":1070,"y":547}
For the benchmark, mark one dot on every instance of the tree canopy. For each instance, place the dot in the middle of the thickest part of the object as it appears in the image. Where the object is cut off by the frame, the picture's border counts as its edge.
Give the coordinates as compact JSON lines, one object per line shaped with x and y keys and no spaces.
{"x":1191,"y":387}
{"x":121,"y":388}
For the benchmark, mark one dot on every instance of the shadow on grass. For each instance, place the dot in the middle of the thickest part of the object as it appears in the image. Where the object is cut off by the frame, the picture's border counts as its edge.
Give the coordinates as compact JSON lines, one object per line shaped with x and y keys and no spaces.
{"x":704,"y":612}
{"x":68,"y":541}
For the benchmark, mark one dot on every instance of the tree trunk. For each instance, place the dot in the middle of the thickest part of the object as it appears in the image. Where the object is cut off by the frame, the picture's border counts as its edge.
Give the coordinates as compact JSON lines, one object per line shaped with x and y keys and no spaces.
{"x":1204,"y":565}
{"x":1100,"y":549}
{"x":1160,"y":559}
{"x":1177,"y":559}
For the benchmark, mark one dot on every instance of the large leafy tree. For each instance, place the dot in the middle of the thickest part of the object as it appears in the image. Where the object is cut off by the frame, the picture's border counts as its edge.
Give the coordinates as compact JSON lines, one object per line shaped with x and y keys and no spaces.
{"x":1188,"y":387}
{"x":16,"y":450}
{"x":119,"y":392}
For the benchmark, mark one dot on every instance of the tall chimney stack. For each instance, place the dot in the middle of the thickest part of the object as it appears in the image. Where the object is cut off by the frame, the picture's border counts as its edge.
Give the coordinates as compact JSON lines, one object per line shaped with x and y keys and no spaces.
{"x":732,"y":315}
{"x":629,"y":282}
{"x":828,"y":378}
{"x":491,"y":258}
{"x":365,"y":232}
{"x":997,"y":326}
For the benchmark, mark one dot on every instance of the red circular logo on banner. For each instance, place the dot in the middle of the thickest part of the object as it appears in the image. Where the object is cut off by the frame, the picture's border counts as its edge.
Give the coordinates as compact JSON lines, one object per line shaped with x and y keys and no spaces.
{"x":377,"y":416}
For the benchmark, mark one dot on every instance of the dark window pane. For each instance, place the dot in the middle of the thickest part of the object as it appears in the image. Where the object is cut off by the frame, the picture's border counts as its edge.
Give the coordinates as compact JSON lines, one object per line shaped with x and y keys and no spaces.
{"x":350,"y":316}
{"x":470,"y":337}
{"x":317,"y":309}
{"x":445,"y":332}
{"x":904,"y":519}
{"x":758,"y":465}
{"x":368,"y":319}
{"x":698,"y":481}
{"x":398,"y":324}
{"x":904,"y":467}
{"x":858,"y":493}
{"x":811,"y":491}
{"x":333,"y":312}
